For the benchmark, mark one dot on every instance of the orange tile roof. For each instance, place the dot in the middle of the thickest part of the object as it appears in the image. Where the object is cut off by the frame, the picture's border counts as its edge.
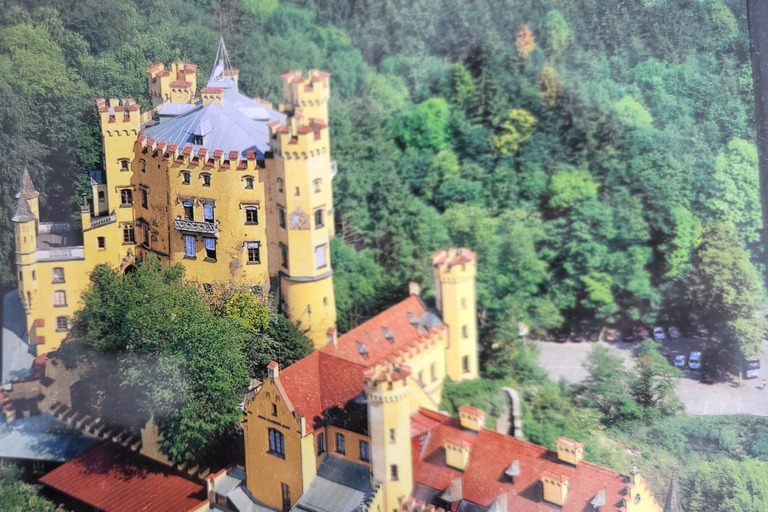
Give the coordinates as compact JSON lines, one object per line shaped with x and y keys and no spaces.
{"x":115,"y":479}
{"x":371,"y":335}
{"x":484,"y":479}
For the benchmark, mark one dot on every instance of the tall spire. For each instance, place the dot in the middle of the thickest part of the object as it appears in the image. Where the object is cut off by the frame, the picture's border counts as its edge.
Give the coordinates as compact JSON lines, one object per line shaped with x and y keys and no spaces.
{"x":27,"y":189}
{"x":222,"y":67}
{"x":23,"y":212}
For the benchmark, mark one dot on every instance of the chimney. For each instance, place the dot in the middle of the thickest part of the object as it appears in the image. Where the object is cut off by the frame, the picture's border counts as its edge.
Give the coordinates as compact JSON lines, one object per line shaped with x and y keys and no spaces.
{"x":273,"y":370}
{"x":570,"y":451}
{"x":471,"y":418}
{"x":555,"y":487}
{"x":456,"y":453}
{"x":414,"y":288}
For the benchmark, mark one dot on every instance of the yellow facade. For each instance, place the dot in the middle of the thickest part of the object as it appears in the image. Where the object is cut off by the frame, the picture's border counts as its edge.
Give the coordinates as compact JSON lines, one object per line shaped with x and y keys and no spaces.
{"x":271,"y":219}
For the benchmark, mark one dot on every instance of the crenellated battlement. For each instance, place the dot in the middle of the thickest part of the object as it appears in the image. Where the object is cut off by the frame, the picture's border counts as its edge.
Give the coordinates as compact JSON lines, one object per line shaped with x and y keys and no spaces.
{"x":121,"y":117}
{"x":177,"y":84}
{"x":300,"y":91}
{"x":387,"y":382}
{"x":297,"y":141}
{"x":213,"y":159}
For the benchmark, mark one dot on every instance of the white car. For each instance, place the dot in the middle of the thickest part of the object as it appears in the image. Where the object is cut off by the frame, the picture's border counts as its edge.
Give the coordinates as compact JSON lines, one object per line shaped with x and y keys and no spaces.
{"x":694,"y":360}
{"x":658,"y":333}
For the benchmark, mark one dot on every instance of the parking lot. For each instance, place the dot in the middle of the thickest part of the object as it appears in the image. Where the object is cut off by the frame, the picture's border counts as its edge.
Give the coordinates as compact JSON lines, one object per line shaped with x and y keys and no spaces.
{"x":727,"y":395}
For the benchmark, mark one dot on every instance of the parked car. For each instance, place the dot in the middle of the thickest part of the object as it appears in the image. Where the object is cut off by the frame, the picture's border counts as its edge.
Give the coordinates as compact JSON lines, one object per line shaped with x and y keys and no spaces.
{"x":673,"y":333}
{"x":658,"y":333}
{"x":694,"y":360}
{"x":641,"y":332}
{"x":680,"y":361}
{"x":751,"y":367}
{"x":612,"y":335}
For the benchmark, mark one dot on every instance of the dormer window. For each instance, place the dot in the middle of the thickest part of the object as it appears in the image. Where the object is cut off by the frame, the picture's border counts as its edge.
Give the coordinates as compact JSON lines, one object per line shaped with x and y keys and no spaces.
{"x":362,"y":349}
{"x":198,"y":140}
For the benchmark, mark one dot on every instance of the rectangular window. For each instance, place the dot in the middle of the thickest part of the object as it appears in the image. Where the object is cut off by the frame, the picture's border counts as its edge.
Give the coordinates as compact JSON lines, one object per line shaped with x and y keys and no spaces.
{"x":276,"y":443}
{"x":340,"y":444}
{"x":144,"y":199}
{"x":279,"y":184}
{"x":189,"y":246}
{"x":248,"y":183}
{"x":102,"y":242}
{"x":391,"y":435}
{"x":102,"y":197}
{"x":58,"y":275}
{"x":393,"y":472}
{"x":464,"y":331}
{"x":124,"y":166}
{"x":21,"y":276}
{"x":34,"y":275}
{"x":319,"y":218}
{"x":463,"y":303}
{"x":251,"y":215}
{"x":465,"y":364}
{"x":208,"y":212}
{"x":129,"y":234}
{"x":320,"y":256}
{"x":317,"y":183}
{"x":284,"y":255}
{"x":62,"y":323}
{"x":274,"y":409}
{"x":365,"y":451}
{"x":145,"y":234}
{"x":59,"y":298}
{"x":281,"y":216}
{"x":189,"y":212}
{"x":432,"y":373}
{"x":320,"y":444}
{"x":206,"y":179}
{"x":210,"y":248}
{"x":185,"y":175}
{"x":143,"y":165}
{"x":285,"y":491}
{"x":253,"y":252}
{"x":126,"y":197}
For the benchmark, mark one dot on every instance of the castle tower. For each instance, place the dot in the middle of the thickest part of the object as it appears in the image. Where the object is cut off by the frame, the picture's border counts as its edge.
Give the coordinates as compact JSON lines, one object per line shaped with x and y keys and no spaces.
{"x":302,"y":205}
{"x":25,"y":228}
{"x":175,"y":85}
{"x":28,"y":190}
{"x":388,"y":395}
{"x":454,"y":271}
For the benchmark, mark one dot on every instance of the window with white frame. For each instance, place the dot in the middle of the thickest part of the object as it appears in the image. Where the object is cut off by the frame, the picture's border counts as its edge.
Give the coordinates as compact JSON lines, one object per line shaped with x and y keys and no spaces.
{"x":59,"y":298}
{"x":189,"y":246}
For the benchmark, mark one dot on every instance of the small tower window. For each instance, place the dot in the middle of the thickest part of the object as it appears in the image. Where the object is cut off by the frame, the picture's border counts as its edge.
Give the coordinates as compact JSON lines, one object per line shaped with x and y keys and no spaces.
{"x":129,"y":234}
{"x":463,"y":303}
{"x":251,"y":215}
{"x":316,"y":184}
{"x":59,"y":298}
{"x":281,"y":216}
{"x":464,"y":331}
{"x":432,"y":372}
{"x":253,"y":252}
{"x":126,"y":197}
{"x":248,"y":182}
{"x":102,"y":196}
{"x":391,"y":435}
{"x":144,"y":199}
{"x":465,"y":364}
{"x":206,"y":179}
{"x":101,"y":242}
{"x":298,"y":193}
{"x":210,"y":249}
{"x":185,"y":175}
{"x":393,"y":472}
{"x":284,"y":255}
{"x":124,"y":165}
{"x":319,"y":218}
{"x":145,"y":233}
{"x":208,"y":212}
{"x":189,"y":212}
{"x":274,"y":409}
{"x":279,"y":184}
{"x":143,"y":165}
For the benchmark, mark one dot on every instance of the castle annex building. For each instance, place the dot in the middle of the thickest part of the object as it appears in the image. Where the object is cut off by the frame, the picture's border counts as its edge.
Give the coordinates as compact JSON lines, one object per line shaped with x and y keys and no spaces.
{"x":231,"y":188}
{"x":354,"y":427}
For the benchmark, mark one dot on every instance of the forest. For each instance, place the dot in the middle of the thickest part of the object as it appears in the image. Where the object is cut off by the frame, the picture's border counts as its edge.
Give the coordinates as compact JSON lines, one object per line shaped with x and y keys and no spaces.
{"x":598,"y":156}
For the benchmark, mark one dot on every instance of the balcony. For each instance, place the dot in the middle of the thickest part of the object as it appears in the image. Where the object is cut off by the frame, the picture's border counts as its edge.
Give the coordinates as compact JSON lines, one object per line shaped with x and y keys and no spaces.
{"x":103,"y":220}
{"x":209,"y":229}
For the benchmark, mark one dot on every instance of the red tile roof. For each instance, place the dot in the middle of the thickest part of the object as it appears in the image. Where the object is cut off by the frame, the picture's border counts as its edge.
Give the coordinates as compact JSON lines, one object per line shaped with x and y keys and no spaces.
{"x":371,"y":335}
{"x":180,"y":83}
{"x":320,"y":382}
{"x":116,"y":479}
{"x":483,"y":480}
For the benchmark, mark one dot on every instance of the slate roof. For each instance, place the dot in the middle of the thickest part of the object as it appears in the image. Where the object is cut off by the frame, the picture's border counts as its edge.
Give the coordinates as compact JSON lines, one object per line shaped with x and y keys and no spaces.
{"x":483,"y":480}
{"x":17,"y":358}
{"x":239,"y":124}
{"x":27,"y":188}
{"x":339,"y":486}
{"x":41,"y":437}
{"x":23,"y":212}
{"x":115,"y":479}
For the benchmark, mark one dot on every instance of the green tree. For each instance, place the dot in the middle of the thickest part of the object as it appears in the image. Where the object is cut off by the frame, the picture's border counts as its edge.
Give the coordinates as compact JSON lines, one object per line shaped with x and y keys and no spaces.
{"x":261,"y":10}
{"x":550,"y":86}
{"x":632,"y":113}
{"x":516,"y":129}
{"x":461,"y":84}
{"x":727,"y":485}
{"x":652,"y":385}
{"x":248,"y":311}
{"x":569,"y":187}
{"x":726,"y":290}
{"x":426,"y":125}
{"x":724,"y":22}
{"x":557,"y":31}
{"x":17,"y":496}
{"x":606,"y":387}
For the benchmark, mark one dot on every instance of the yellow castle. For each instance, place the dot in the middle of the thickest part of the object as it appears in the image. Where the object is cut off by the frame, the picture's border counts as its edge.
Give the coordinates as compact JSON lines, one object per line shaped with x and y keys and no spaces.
{"x":236,"y":191}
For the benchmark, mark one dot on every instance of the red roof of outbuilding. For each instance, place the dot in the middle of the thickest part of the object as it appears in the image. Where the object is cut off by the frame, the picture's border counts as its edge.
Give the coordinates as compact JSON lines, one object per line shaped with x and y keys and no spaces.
{"x":484,"y":479}
{"x":115,"y":479}
{"x":371,"y":335}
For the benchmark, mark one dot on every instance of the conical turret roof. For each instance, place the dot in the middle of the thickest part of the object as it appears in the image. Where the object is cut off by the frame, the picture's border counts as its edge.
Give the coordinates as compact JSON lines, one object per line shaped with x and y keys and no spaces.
{"x":23,"y":212}
{"x":27,"y":189}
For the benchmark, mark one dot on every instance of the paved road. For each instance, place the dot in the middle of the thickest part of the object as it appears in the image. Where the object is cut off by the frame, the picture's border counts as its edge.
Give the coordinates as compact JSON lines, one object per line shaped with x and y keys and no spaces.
{"x":727,"y":395}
